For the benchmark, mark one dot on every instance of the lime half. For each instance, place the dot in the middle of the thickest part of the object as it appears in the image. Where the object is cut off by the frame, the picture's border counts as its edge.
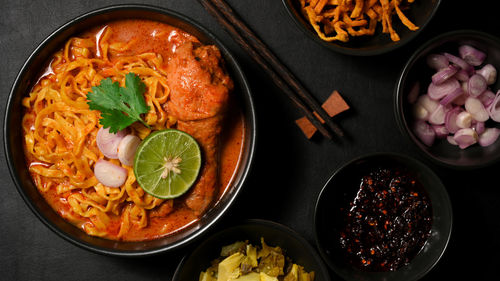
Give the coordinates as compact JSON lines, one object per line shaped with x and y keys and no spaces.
{"x":167,"y":163}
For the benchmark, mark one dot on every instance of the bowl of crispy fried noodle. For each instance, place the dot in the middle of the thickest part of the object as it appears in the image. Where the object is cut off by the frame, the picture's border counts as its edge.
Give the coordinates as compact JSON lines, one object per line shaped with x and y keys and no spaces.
{"x":362,"y":27}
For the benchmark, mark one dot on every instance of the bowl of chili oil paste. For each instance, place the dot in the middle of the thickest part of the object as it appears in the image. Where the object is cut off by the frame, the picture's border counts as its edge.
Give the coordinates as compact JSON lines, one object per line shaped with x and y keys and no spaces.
{"x":383,"y":216}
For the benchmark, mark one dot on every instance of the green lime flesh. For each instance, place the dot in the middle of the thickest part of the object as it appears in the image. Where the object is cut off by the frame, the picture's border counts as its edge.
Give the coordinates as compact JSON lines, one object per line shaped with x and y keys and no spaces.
{"x":167,"y":163}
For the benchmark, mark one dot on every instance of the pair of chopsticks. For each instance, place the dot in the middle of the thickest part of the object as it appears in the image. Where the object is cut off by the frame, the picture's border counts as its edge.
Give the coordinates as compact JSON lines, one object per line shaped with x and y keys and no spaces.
{"x":280,"y":75}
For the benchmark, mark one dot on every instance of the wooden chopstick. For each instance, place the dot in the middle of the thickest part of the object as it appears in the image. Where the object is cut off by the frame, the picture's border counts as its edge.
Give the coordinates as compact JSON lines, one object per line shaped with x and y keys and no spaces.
{"x":283,"y":78}
{"x":282,"y":70}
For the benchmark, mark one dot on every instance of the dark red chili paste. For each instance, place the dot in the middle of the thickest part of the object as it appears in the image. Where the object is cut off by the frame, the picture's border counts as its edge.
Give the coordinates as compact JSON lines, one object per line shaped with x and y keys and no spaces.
{"x":387,"y":223}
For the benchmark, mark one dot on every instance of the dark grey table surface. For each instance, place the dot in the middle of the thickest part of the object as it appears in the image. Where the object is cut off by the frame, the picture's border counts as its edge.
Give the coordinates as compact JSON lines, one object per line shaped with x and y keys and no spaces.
{"x":289,"y":170}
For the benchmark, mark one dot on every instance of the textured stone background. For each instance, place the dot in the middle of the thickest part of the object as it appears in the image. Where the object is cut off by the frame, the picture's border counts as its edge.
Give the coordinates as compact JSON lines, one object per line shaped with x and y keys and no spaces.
{"x":289,"y":170}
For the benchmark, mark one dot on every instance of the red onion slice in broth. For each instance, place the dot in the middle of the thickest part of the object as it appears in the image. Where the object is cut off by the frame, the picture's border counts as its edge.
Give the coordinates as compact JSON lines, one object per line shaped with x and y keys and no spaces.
{"x":108,"y":142}
{"x":110,"y":174}
{"x":127,"y":148}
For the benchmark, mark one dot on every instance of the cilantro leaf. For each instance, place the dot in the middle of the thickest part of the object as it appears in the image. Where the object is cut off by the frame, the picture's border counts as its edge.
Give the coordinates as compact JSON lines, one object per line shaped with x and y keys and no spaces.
{"x":119,"y":107}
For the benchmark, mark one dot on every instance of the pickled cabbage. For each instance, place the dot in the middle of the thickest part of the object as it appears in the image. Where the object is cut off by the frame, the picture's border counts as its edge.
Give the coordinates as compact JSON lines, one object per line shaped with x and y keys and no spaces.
{"x":242,"y":261}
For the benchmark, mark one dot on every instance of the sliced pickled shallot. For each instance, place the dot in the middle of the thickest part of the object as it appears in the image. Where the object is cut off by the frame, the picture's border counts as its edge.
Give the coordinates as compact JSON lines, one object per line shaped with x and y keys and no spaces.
{"x":476,"y":85}
{"x":437,"y":117}
{"x":489,"y":136}
{"x":451,"y":140}
{"x":465,"y":137}
{"x":464,"y":120}
{"x":444,"y":74}
{"x":424,"y":132}
{"x":419,"y":112}
{"x":489,"y":72}
{"x":459,"y":101}
{"x":476,"y":108}
{"x":450,"y":120}
{"x":479,"y":127}
{"x":460,"y":62}
{"x":440,"y":91}
{"x":462,"y":75}
{"x":451,"y":96}
{"x":126,"y":149}
{"x":437,"y":61}
{"x":494,"y":108}
{"x":465,"y":87}
{"x":441,"y":131}
{"x":487,"y":98}
{"x":429,"y":104}
{"x":471,"y":55}
{"x":108,"y":142}
{"x":110,"y":174}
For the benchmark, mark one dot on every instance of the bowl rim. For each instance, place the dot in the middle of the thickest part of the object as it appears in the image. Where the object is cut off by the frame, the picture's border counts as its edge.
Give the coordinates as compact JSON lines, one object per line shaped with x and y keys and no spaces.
{"x":422,"y":165}
{"x":250,"y":123}
{"x":398,"y":97}
{"x":355,"y":52}
{"x":260,"y":222}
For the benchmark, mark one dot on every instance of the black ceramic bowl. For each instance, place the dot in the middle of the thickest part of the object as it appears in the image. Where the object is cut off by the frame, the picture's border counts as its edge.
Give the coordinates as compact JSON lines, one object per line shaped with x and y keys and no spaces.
{"x":417,"y":71}
{"x":13,"y":138}
{"x":420,"y":13}
{"x":274,"y":234}
{"x":344,"y":184}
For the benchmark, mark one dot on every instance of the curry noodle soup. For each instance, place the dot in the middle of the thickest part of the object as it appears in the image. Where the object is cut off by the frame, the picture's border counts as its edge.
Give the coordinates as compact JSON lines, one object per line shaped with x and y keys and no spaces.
{"x":187,"y":88}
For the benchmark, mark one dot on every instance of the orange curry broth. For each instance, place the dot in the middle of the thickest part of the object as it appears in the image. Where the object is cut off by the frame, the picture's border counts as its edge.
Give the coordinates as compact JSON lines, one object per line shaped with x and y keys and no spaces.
{"x":162,"y":39}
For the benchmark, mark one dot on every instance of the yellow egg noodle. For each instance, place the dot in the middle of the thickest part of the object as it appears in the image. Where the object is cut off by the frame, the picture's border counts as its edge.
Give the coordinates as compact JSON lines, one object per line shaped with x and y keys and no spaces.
{"x":60,"y":131}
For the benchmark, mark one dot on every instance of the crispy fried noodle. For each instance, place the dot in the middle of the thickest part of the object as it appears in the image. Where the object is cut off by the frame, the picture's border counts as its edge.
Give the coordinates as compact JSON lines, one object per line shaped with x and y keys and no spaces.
{"x":337,"y":20}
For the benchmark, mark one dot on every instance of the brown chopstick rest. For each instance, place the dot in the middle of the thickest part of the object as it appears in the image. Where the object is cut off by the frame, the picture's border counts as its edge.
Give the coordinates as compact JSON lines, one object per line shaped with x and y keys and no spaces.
{"x":333,"y":105}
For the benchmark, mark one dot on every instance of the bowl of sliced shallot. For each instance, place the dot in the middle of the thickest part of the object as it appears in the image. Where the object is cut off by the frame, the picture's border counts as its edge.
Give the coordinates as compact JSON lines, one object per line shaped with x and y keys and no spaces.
{"x":447,"y":99}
